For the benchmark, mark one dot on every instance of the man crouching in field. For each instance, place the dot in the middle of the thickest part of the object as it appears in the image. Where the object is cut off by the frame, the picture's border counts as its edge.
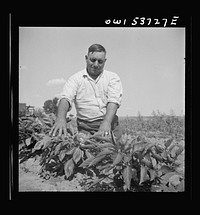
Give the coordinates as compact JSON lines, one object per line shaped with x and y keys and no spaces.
{"x":96,"y":93}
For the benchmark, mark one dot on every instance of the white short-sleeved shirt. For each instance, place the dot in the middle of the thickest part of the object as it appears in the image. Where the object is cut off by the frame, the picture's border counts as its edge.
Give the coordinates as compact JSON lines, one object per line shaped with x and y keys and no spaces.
{"x":91,"y":96}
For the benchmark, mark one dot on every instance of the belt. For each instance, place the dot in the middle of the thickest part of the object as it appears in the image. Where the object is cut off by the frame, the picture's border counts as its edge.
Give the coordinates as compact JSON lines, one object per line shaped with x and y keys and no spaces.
{"x":94,"y":125}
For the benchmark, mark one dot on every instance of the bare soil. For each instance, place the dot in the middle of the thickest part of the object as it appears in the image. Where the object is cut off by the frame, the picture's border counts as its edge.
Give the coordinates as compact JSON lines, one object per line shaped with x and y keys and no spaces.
{"x":30,"y":180}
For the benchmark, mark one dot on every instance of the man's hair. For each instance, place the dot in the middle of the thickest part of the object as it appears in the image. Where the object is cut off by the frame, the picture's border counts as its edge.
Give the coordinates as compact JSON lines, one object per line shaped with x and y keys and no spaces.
{"x":96,"y":48}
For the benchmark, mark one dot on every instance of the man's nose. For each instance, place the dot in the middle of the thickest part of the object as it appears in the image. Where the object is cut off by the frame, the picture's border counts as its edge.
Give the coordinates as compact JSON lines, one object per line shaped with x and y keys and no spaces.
{"x":96,"y":63}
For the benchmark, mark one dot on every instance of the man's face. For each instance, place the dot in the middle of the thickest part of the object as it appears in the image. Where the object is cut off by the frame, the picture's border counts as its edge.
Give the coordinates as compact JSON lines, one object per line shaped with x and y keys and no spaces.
{"x":95,"y":62}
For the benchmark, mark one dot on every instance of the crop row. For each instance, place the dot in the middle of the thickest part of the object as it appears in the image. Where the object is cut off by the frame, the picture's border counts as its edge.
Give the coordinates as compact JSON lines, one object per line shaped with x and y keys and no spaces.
{"x":136,"y":162}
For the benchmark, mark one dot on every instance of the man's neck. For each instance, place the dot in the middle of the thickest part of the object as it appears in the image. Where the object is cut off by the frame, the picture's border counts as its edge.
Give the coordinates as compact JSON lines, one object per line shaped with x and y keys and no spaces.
{"x":94,"y":77}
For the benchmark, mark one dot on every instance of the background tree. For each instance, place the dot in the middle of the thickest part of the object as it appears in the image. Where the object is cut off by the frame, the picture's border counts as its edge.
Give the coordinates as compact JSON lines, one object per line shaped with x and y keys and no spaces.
{"x":50,"y":106}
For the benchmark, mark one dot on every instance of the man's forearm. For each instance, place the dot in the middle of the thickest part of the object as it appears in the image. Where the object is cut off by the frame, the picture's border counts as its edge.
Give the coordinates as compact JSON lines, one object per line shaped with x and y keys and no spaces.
{"x":63,"y":108}
{"x":110,"y":112}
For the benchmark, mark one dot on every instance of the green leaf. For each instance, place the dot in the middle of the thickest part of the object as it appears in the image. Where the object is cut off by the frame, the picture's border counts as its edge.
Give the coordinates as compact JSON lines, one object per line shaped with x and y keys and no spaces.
{"x":164,"y":154}
{"x":104,"y":152}
{"x":170,"y":160}
{"x":106,"y":145}
{"x":139,"y":146}
{"x":42,"y":144}
{"x":181,"y":187}
{"x":69,"y":167}
{"x":78,"y":153}
{"x":98,"y":137}
{"x":156,"y":188}
{"x":127,"y":158}
{"x":46,"y":141}
{"x":154,"y":162}
{"x":179,"y":151}
{"x":107,"y":170}
{"x":95,"y":182}
{"x":81,"y":137}
{"x":47,"y":120}
{"x":175,"y":180}
{"x":179,"y":160}
{"x":62,"y":154}
{"x":87,"y":162}
{"x":127,"y":147}
{"x":88,"y":146}
{"x":168,"y":142}
{"x":28,"y":141}
{"x":152,"y":173}
{"x":127,"y":175}
{"x":157,"y":156}
{"x":173,"y":151}
{"x":165,"y":177}
{"x":57,"y":148}
{"x":29,"y":122}
{"x":147,"y":162}
{"x":158,"y":149}
{"x":171,"y":147}
{"x":88,"y":154}
{"x":165,"y":188}
{"x":148,"y":147}
{"x":124,"y":138}
{"x":104,"y":167}
{"x":118,"y":159}
{"x":134,"y":174}
{"x":143,"y":173}
{"x":97,"y":160}
{"x":71,"y":151}
{"x":165,"y":169}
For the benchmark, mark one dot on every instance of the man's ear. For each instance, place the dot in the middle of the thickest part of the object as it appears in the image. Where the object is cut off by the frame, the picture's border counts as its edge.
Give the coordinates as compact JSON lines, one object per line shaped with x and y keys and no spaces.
{"x":86,"y":57}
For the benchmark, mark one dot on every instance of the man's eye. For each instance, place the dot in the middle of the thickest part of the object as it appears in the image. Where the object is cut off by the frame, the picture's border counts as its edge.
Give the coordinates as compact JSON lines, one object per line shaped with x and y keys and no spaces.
{"x":92,"y":60}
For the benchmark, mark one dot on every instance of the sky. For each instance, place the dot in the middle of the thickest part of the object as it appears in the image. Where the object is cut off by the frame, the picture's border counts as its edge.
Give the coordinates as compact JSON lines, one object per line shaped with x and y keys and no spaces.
{"x":149,"y":61}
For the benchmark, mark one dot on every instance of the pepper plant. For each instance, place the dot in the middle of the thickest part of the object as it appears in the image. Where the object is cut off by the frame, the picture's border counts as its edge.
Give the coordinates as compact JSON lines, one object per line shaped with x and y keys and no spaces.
{"x":133,"y":163}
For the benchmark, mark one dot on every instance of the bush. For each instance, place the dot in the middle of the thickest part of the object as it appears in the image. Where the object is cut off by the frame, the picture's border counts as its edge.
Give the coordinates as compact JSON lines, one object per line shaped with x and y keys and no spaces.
{"x":50,"y":106}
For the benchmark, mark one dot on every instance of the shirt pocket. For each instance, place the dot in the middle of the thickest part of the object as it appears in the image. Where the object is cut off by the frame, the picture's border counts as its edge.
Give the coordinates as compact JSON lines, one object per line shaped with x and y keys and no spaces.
{"x":85,"y":92}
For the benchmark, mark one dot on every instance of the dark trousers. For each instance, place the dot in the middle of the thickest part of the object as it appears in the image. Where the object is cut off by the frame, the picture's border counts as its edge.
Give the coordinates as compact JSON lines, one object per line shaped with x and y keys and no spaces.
{"x":92,"y":127}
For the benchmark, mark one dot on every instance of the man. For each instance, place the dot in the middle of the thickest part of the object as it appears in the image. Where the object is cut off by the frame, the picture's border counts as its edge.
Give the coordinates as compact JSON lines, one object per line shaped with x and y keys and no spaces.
{"x":97,"y":95}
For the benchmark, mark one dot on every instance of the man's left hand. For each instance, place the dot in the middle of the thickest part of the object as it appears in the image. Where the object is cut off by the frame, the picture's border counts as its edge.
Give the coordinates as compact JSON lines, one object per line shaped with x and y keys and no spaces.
{"x":105,"y":128}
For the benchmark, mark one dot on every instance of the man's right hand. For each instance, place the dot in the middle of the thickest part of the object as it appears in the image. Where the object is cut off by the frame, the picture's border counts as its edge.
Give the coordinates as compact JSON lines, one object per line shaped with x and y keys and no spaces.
{"x":60,"y":126}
